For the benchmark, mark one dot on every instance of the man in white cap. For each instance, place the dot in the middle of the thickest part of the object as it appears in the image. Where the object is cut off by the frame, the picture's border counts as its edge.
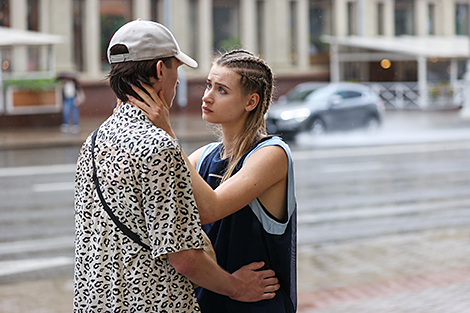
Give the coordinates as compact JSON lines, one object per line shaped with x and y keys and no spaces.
{"x":138,"y":245}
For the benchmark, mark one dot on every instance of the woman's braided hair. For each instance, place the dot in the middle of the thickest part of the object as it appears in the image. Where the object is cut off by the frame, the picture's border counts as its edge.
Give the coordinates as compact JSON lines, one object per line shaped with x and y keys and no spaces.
{"x":255,"y":77}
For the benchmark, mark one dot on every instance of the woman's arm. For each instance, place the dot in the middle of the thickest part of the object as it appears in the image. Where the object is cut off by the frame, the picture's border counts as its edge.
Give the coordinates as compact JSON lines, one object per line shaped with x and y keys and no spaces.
{"x":253,"y":179}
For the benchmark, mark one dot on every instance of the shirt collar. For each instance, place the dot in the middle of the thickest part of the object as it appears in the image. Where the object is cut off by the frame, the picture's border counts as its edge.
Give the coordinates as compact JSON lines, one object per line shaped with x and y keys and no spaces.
{"x":127,"y":110}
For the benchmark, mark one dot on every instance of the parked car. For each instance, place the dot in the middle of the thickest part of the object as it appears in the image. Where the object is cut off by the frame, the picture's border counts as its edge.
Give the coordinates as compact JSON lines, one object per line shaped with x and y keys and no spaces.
{"x":321,"y":107}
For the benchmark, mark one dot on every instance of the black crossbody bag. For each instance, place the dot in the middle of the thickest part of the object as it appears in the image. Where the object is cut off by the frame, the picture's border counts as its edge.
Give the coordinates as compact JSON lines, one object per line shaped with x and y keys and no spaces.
{"x":129,"y":233}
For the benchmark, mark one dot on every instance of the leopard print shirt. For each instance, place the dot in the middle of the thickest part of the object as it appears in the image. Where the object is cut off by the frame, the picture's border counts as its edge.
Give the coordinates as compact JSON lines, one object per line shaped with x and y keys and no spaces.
{"x":146,"y":183}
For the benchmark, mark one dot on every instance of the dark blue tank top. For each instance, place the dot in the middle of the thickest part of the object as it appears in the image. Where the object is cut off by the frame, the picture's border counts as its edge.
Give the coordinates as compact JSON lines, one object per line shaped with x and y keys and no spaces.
{"x":240,"y":239}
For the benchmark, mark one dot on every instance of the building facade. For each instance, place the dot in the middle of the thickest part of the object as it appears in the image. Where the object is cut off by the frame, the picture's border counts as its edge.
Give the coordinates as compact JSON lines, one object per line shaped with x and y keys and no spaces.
{"x":286,"y":33}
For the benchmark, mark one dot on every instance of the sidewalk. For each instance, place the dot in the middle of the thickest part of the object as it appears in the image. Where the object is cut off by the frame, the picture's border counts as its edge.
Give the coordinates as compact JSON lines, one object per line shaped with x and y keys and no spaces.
{"x":409,"y":273}
{"x":412,"y":273}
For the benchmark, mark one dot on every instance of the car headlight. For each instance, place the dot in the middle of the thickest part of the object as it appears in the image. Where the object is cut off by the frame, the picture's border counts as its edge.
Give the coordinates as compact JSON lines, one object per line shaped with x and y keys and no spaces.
{"x":299,"y":114}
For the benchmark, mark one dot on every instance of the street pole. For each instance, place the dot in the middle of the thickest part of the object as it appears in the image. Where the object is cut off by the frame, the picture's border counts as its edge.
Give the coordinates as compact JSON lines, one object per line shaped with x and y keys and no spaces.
{"x":465,"y":111}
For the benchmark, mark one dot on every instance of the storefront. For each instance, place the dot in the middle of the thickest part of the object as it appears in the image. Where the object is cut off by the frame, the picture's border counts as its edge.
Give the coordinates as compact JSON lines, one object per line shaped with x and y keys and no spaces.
{"x":410,"y":71}
{"x":27,"y":78}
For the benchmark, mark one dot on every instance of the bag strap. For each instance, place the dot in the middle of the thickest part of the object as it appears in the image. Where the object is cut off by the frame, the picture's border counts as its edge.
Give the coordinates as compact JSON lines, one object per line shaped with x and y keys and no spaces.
{"x":129,"y":233}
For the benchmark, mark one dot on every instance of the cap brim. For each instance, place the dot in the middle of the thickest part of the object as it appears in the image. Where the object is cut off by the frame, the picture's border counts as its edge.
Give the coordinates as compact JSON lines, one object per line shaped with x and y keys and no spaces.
{"x":186,"y":60}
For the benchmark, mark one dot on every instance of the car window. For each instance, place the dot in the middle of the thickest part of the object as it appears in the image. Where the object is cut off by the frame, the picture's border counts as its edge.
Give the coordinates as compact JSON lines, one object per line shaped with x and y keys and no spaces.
{"x":348,"y":94}
{"x":298,"y":95}
{"x":320,"y":94}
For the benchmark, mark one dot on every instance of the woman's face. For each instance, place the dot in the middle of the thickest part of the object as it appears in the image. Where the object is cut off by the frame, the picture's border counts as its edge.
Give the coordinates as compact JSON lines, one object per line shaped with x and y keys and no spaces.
{"x":223,"y":101}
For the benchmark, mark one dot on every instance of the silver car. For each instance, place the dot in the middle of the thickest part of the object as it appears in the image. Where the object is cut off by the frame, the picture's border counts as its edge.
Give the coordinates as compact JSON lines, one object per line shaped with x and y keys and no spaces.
{"x":319,"y":108}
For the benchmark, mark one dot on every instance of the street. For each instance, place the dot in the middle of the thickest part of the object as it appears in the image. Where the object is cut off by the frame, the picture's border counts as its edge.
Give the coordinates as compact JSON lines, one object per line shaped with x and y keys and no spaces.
{"x":36,"y":220}
{"x":366,"y":213}
{"x":362,"y":192}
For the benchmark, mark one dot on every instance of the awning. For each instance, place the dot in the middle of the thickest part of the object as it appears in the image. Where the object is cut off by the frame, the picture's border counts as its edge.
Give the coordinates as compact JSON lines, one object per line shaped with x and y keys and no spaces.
{"x":418,"y":48}
{"x":16,"y":37}
{"x":455,"y":47}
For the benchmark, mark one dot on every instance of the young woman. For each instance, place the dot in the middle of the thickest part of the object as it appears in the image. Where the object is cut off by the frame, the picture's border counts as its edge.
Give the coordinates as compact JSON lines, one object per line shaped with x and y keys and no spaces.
{"x":244,"y":185}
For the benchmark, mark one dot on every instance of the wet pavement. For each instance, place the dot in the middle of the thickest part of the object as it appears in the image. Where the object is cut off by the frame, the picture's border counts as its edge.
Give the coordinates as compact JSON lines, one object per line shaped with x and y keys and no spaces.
{"x":415,"y":272}
{"x":420,"y":272}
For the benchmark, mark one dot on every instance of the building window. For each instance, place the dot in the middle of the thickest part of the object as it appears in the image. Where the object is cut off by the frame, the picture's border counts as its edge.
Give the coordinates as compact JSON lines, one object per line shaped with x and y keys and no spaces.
{"x":320,"y":23}
{"x":33,"y":25}
{"x":352,"y":18}
{"x":226,"y":24}
{"x":404,"y":22}
{"x":33,"y":15}
{"x":461,"y":19}
{"x":113,"y":14}
{"x":431,"y":19}
{"x":194,"y":26}
{"x":260,"y":21}
{"x":380,"y":19}
{"x":155,"y":10}
{"x":5,"y":13}
{"x":78,"y":11}
{"x":352,"y":71}
{"x":293,"y":32}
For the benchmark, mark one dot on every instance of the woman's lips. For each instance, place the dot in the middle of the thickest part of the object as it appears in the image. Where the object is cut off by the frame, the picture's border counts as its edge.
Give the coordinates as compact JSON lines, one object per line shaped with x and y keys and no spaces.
{"x":205,"y":109}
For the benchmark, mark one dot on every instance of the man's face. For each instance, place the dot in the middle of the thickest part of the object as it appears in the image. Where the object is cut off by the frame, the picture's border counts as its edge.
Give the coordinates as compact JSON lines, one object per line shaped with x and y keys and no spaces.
{"x":170,"y":80}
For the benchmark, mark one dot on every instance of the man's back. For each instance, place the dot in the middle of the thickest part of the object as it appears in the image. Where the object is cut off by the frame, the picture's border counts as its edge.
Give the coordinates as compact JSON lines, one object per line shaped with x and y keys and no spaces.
{"x":145,"y":182}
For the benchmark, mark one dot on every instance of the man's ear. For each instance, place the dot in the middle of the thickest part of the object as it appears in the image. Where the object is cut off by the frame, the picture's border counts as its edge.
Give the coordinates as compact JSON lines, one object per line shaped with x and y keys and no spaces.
{"x":159,"y":69}
{"x":252,"y":103}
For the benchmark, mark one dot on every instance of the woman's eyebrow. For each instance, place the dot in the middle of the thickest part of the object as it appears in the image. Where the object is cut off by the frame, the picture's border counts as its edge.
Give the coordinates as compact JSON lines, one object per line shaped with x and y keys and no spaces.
{"x":216,"y":83}
{"x":223,"y":85}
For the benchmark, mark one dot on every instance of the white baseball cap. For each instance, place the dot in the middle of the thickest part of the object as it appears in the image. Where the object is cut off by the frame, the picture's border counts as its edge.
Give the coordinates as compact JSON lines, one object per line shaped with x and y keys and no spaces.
{"x":146,"y":40}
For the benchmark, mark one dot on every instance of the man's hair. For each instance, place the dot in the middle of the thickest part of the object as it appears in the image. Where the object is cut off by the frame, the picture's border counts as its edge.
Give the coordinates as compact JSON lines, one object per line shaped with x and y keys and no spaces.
{"x":122,"y":75}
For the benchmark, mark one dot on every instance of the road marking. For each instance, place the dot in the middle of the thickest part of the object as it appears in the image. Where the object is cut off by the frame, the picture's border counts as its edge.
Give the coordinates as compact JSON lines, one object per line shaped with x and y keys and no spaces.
{"x":36,"y":245}
{"x":37,"y":170}
{"x":381,"y":150}
{"x":29,"y":265}
{"x":322,"y":217}
{"x":53,"y":187}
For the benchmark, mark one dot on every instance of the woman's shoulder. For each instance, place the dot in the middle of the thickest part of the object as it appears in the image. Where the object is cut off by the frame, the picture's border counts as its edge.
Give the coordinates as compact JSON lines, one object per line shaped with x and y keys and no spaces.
{"x":270,"y":143}
{"x":202,"y":152}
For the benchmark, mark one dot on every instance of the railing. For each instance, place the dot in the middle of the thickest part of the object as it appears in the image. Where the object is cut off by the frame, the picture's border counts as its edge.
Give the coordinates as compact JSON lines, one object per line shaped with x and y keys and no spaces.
{"x":406,"y":95}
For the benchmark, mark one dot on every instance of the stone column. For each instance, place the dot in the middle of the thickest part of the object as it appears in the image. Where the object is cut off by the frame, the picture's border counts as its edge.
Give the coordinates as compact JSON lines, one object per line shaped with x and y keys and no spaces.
{"x":445,"y":18}
{"x":141,"y":9}
{"x":205,"y":34}
{"x":180,"y":28}
{"x":421,"y":18}
{"x":19,"y":14}
{"x":389,"y":16}
{"x":303,"y":40}
{"x":52,"y":20}
{"x":91,"y":38}
{"x":248,"y":24}
{"x":277,"y":18}
{"x":44,"y":18}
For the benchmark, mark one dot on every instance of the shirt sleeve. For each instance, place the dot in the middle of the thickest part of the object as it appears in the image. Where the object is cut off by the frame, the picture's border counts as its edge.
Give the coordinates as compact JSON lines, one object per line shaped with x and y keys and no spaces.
{"x":170,"y":210}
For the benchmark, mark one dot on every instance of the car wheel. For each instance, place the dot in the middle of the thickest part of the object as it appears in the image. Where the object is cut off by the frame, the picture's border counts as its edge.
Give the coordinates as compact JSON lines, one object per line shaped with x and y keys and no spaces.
{"x":317,"y":127}
{"x":371,"y":124}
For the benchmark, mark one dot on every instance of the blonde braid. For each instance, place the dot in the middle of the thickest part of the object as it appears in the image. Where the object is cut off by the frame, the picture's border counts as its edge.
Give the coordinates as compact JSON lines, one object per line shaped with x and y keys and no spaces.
{"x":255,"y":77}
